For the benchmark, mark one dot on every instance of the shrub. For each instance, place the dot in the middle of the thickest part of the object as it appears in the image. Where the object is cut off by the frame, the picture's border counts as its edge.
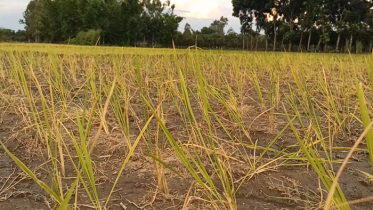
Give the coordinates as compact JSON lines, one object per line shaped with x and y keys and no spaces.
{"x":90,"y":37}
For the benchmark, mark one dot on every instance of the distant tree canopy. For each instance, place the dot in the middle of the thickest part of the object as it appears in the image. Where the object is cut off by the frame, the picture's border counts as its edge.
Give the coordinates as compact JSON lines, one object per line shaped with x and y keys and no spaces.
{"x":118,"y":22}
{"x":329,"y":23}
{"x":285,"y":25}
{"x":7,"y":35}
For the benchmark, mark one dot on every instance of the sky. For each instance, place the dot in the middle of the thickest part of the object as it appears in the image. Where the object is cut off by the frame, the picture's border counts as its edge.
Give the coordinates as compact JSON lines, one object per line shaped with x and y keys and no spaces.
{"x":198,"y":13}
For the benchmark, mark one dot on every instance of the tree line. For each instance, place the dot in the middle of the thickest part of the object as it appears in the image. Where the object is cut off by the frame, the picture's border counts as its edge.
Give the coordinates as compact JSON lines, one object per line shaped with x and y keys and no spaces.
{"x":8,"y":35}
{"x":147,"y":23}
{"x":280,"y":25}
{"x":105,"y":22}
{"x":321,"y":25}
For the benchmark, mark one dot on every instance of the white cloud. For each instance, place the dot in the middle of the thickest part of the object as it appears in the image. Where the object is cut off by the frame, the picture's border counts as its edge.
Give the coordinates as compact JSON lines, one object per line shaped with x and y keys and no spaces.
{"x":199,"y":23}
{"x":206,"y":9}
{"x":9,"y":7}
{"x":200,"y":13}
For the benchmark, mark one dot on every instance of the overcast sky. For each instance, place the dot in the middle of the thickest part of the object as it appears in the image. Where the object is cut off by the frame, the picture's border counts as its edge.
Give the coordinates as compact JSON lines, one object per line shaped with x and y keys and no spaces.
{"x":198,"y":13}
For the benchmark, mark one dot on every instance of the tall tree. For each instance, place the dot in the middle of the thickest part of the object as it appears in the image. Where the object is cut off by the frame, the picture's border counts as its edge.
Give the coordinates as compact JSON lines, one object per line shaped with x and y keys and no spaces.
{"x":251,"y":12}
{"x":358,"y":10}
{"x":309,"y":17}
{"x":187,"y":30}
{"x":340,"y":13}
{"x":292,"y":11}
{"x":33,"y":19}
{"x":218,"y":25}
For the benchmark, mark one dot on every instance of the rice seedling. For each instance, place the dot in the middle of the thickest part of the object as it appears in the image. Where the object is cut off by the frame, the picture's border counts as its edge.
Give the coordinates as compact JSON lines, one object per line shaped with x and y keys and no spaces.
{"x":116,"y":128}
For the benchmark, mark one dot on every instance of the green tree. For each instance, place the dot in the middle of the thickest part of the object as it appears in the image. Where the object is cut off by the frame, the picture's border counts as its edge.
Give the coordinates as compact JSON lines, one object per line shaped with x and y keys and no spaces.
{"x":33,"y":18}
{"x":168,"y":31}
{"x":187,"y":30}
{"x":308,"y":18}
{"x":118,"y":22}
{"x":292,"y":11}
{"x":6,"y":35}
{"x":232,"y":39}
{"x":358,"y":10}
{"x":218,"y":25}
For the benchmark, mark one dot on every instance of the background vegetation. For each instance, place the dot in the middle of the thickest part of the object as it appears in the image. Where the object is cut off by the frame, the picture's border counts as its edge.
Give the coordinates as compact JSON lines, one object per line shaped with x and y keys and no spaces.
{"x":281,"y":25}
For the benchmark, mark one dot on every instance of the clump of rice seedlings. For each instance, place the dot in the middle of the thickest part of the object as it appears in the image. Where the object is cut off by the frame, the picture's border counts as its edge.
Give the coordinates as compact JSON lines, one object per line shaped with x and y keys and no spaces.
{"x":255,"y":80}
{"x":318,"y":164}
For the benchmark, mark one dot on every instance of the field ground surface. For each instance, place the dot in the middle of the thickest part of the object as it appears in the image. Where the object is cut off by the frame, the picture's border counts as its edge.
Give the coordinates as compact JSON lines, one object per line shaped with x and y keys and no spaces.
{"x":131,"y":128}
